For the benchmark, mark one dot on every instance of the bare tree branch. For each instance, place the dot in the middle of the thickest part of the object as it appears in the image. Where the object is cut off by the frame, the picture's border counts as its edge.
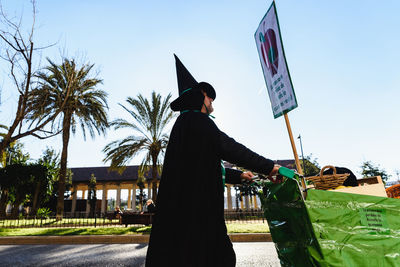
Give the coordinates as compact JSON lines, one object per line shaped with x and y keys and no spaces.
{"x":34,"y":19}
{"x":47,"y":136}
{"x":12,"y":59}
{"x":19,"y":53}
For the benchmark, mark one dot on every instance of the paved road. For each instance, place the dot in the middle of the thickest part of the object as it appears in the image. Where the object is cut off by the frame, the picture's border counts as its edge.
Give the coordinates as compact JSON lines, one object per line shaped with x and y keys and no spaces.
{"x":248,"y":254}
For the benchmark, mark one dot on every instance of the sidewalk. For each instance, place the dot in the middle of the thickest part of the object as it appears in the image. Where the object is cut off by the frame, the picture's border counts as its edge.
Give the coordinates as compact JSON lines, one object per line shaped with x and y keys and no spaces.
{"x":247,"y":254}
{"x":111,"y":239}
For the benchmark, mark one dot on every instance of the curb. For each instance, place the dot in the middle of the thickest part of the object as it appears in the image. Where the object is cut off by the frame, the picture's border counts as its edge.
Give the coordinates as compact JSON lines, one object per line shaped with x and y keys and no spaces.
{"x":110,"y":239}
{"x":258,"y":237}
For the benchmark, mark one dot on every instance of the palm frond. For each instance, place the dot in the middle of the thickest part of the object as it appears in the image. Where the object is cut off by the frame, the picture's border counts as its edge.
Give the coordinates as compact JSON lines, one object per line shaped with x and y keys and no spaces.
{"x":150,"y":118}
{"x":70,"y":88}
{"x":120,"y":152}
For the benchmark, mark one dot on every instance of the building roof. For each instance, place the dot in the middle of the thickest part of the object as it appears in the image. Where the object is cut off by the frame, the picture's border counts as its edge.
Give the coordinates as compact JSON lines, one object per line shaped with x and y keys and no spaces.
{"x":103,"y":174}
{"x":288,"y":163}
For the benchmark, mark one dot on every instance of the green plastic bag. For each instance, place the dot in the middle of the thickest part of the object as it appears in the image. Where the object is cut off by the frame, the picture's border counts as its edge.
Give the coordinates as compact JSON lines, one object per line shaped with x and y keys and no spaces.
{"x":331,"y":228}
{"x":355,"y":230}
{"x":289,"y":224}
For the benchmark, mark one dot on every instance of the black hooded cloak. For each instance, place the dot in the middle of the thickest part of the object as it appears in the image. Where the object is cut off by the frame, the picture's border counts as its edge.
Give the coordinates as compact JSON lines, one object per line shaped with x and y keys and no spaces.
{"x":189,"y":227}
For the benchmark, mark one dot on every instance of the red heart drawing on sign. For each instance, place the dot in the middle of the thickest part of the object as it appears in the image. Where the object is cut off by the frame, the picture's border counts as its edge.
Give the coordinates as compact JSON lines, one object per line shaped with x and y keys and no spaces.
{"x":269,"y":49}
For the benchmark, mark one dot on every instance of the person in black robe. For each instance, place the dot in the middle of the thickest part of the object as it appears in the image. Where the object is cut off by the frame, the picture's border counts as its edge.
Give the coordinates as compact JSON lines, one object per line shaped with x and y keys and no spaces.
{"x":189,"y":227}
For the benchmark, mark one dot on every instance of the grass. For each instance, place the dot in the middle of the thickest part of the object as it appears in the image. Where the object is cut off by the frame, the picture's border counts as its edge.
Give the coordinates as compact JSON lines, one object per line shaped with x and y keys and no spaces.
{"x":247,"y":228}
{"x":52,"y":221}
{"x":75,"y":231}
{"x":232,"y":228}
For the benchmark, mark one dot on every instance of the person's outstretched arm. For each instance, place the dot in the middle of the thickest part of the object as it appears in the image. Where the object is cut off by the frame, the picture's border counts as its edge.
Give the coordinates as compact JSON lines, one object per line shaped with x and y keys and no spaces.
{"x":238,"y":154}
{"x":233,"y":176}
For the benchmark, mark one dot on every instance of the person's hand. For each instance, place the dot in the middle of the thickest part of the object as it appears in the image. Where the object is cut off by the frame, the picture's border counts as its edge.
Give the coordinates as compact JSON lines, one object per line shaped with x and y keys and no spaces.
{"x":274,"y":172}
{"x":247,"y":176}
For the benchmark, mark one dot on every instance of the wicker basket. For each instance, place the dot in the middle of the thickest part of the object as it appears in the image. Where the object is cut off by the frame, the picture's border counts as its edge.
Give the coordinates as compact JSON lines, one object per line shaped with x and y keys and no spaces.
{"x":328,"y":181}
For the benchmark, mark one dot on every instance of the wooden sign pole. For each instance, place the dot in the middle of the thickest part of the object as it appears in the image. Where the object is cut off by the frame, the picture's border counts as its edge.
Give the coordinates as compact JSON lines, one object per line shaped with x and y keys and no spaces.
{"x":296,"y":157}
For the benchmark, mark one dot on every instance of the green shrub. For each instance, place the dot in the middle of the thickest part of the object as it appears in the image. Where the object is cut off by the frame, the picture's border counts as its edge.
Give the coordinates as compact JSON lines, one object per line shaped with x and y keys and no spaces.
{"x":43,"y":212}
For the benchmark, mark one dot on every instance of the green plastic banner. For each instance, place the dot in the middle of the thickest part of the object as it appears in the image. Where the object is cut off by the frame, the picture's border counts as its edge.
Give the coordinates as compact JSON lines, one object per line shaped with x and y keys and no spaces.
{"x":332,"y":228}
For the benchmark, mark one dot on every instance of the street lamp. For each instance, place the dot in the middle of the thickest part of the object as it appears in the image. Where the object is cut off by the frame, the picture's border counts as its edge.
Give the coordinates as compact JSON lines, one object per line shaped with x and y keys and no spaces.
{"x":302,"y":155}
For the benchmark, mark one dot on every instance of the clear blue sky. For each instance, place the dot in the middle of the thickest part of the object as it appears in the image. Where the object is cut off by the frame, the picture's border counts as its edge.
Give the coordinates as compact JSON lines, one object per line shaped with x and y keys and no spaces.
{"x":342,"y":55}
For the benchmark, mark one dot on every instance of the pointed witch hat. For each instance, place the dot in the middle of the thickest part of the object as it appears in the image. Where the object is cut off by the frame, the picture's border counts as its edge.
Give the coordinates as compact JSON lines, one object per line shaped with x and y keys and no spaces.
{"x":190,"y":96}
{"x":185,"y":79}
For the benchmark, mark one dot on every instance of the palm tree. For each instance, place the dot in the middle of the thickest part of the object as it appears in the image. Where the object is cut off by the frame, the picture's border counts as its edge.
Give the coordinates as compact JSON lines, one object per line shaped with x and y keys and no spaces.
{"x":71,"y":88}
{"x":140,"y":182}
{"x":149,"y":122}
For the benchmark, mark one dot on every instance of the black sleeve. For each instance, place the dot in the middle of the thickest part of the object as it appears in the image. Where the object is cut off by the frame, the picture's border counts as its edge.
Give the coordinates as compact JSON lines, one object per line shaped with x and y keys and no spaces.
{"x":238,"y":154}
{"x":232,"y":176}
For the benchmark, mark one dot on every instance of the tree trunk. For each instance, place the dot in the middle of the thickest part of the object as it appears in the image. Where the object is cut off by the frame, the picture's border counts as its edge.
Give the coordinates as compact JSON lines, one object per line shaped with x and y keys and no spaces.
{"x":3,"y":203}
{"x":15,"y":208}
{"x":3,"y":146}
{"x":35,"y":199}
{"x":237,"y":200}
{"x":141,"y":198}
{"x":63,"y":166}
{"x":154,"y":173}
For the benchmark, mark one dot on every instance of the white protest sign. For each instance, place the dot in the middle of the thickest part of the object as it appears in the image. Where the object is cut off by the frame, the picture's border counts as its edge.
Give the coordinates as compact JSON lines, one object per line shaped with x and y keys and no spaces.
{"x":274,"y":66}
